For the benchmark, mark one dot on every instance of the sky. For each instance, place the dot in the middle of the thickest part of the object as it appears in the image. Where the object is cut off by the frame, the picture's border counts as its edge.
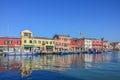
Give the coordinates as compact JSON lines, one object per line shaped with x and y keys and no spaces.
{"x":94,"y":18}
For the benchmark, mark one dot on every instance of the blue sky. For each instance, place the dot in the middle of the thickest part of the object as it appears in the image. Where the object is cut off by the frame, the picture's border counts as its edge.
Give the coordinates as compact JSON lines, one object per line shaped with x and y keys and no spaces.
{"x":95,"y":18}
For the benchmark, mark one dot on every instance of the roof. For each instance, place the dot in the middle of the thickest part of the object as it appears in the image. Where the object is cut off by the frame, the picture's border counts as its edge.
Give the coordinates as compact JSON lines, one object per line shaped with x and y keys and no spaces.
{"x":86,"y":38}
{"x":62,"y":35}
{"x":42,"y":38}
{"x":74,"y":38}
{"x":26,"y":31}
{"x":115,"y":42}
{"x":6,"y":37}
{"x":91,"y":38}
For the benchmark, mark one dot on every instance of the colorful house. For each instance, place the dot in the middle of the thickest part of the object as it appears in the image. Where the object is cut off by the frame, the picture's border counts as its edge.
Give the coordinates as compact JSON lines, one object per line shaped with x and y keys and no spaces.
{"x":30,"y":43}
{"x":87,"y":43}
{"x":62,"y":42}
{"x":96,"y":44}
{"x":10,"y":44}
{"x":27,"y":40}
{"x":115,"y":45}
{"x":44,"y":44}
{"x":77,"y":44}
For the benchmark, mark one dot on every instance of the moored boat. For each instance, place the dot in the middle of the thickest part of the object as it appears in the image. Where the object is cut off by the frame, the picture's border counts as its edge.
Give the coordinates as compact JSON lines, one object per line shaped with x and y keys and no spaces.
{"x":35,"y":53}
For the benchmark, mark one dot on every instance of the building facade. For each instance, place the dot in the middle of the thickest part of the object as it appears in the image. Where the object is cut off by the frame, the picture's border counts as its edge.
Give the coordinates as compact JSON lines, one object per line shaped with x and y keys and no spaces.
{"x":27,"y":41}
{"x":62,"y":42}
{"x":77,"y":44}
{"x":115,"y":45}
{"x":44,"y":44}
{"x":9,"y":44}
{"x":87,"y":43}
{"x":96,"y":44}
{"x":30,"y":43}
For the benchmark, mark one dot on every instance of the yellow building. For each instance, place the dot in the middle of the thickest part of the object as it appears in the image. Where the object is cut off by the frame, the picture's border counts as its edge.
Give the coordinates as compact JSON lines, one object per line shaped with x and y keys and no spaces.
{"x":30,"y":43}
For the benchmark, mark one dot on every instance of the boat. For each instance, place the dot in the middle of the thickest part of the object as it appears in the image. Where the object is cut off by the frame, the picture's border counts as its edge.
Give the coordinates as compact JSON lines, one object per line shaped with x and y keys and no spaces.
{"x":35,"y":53}
{"x":85,"y":52}
{"x":99,"y":52}
{"x":63,"y":53}
{"x":94,"y":51}
{"x":18,"y":53}
{"x":4,"y":53}
{"x":107,"y":51}
{"x":76,"y":52}
{"x":90,"y":51}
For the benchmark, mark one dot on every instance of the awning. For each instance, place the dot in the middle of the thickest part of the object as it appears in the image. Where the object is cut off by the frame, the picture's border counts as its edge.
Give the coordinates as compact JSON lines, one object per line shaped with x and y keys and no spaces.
{"x":49,"y":47}
{"x":79,"y":47}
{"x":28,"y":46}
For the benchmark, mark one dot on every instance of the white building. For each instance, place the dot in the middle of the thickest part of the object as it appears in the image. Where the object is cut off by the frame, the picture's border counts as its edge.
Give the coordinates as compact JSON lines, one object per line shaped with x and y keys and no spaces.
{"x":118,"y":46}
{"x":87,"y":43}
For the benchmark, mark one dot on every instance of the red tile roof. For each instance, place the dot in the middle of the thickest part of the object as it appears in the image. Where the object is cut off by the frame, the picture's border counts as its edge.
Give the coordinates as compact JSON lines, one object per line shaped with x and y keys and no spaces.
{"x":62,"y":35}
{"x":6,"y":37}
{"x":42,"y":38}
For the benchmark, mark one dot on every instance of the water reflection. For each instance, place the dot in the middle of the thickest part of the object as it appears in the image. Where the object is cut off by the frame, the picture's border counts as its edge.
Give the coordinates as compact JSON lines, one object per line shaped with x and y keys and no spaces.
{"x":25,"y":65}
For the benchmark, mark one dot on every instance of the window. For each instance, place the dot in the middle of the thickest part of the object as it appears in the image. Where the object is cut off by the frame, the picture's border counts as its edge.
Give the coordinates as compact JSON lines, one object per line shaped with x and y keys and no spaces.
{"x":65,"y":45}
{"x":39,"y":42}
{"x":30,"y":41}
{"x":50,"y":42}
{"x":10,"y":42}
{"x":60,"y":44}
{"x":25,"y":41}
{"x":43,"y":42}
{"x":18,"y":42}
{"x":26,"y":34}
{"x":5,"y":42}
{"x":88,"y":41}
{"x":46,"y":42}
{"x":78,"y":42}
{"x":56,"y":44}
{"x":35,"y":41}
{"x":65,"y":39}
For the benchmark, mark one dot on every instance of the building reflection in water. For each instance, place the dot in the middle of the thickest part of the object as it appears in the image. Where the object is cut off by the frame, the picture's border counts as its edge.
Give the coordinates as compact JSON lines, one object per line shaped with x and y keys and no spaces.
{"x":26,"y":64}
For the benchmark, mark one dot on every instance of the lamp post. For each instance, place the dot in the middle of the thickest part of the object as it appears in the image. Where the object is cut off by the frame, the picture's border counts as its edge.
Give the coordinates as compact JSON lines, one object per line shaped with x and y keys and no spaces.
{"x":80,"y":40}
{"x":102,"y":39}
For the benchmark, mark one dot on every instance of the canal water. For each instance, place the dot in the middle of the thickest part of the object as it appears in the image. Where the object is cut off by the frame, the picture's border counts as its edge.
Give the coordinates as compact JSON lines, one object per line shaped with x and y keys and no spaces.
{"x":105,"y":66}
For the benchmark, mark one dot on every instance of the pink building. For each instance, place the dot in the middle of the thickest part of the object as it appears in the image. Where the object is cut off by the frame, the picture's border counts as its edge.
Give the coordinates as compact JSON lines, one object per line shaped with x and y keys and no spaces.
{"x":96,"y":44}
{"x":62,"y":42}
{"x":99,"y":44}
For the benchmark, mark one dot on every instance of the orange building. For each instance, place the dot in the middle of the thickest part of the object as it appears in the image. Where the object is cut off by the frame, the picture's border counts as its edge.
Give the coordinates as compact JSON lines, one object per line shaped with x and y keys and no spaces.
{"x":77,"y":44}
{"x":62,"y":42}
